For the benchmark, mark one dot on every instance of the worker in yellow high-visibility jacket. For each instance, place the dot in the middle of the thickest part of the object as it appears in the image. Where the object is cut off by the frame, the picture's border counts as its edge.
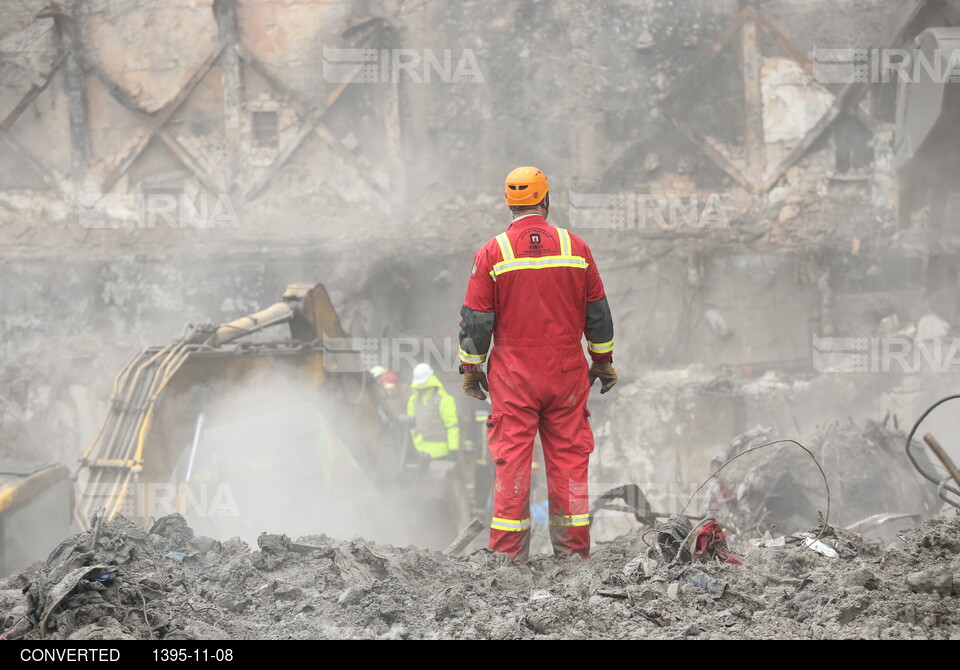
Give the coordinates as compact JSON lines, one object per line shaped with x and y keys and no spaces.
{"x":436,"y":430}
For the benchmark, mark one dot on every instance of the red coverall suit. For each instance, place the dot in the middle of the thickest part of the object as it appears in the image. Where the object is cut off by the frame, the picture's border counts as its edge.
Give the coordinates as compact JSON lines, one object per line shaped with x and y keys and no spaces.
{"x":536,"y":288}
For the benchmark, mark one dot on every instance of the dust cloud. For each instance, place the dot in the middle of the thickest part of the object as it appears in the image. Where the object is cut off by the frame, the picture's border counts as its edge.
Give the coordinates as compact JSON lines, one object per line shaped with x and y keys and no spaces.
{"x":279,"y":455}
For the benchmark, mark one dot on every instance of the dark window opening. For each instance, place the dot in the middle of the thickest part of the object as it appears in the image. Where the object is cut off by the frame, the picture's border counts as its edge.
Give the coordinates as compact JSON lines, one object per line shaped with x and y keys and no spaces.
{"x":266,"y":128}
{"x":162,"y":205}
{"x":854,"y":146}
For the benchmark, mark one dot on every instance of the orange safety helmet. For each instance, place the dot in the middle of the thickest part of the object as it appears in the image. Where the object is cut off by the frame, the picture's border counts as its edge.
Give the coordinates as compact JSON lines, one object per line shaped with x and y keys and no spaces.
{"x":526,"y":187}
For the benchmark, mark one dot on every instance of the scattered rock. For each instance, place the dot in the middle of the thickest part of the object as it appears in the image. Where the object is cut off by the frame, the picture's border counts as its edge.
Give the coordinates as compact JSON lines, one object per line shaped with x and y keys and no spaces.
{"x":205,"y":544}
{"x":848,"y":614}
{"x":107,"y":628}
{"x":173,"y":527}
{"x":787,"y":213}
{"x":937,"y":580}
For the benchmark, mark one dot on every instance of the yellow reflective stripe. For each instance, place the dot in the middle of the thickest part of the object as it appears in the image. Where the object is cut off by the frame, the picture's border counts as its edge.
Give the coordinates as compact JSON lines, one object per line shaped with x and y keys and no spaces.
{"x":472,"y":359}
{"x":571,"y":521}
{"x":540,"y":263}
{"x":510,"y":525}
{"x":564,"y":241}
{"x":505,"y":249}
{"x":602,"y":348}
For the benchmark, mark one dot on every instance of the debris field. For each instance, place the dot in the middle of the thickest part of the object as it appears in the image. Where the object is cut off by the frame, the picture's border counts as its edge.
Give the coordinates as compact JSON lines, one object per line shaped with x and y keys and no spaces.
{"x":168,"y":584}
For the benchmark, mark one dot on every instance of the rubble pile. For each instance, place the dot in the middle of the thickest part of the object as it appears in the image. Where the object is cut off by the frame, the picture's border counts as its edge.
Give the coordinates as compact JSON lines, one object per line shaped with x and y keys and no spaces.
{"x":127,"y":582}
{"x":873,"y":487}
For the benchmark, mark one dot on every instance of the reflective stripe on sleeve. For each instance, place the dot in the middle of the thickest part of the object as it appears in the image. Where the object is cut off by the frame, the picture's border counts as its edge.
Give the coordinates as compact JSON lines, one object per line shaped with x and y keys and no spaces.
{"x":472,"y":359}
{"x":601,"y":348}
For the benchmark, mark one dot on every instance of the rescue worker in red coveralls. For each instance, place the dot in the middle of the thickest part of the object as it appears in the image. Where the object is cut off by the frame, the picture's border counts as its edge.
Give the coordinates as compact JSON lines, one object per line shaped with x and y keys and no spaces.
{"x":535,"y":290}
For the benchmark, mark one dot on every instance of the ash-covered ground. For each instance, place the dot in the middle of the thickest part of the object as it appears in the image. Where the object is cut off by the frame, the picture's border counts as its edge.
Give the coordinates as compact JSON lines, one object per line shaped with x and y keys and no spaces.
{"x":168,"y":584}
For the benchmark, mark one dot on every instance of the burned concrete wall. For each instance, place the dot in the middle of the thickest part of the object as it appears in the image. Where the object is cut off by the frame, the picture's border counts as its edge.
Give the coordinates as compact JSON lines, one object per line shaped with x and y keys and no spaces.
{"x":227,"y":96}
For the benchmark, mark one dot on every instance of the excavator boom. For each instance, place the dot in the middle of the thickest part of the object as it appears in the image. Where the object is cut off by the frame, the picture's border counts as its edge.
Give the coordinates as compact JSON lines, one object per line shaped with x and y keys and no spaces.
{"x":154,"y":407}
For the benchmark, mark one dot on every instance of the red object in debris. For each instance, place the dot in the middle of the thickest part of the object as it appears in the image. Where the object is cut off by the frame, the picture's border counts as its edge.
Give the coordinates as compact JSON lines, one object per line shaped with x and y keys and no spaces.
{"x":708,"y":541}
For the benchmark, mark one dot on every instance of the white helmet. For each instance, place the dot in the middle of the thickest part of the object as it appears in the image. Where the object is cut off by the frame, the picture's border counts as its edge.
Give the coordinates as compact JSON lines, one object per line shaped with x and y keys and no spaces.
{"x":377,"y":371}
{"x":421,"y":373}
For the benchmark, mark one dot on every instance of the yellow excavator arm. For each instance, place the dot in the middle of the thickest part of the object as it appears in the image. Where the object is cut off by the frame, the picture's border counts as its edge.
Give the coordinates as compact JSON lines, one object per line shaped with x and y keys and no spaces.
{"x":141,"y":440}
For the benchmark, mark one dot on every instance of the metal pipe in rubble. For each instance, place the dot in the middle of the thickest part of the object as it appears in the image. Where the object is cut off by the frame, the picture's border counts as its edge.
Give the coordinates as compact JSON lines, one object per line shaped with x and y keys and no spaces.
{"x":931,"y":477}
{"x":193,"y":448}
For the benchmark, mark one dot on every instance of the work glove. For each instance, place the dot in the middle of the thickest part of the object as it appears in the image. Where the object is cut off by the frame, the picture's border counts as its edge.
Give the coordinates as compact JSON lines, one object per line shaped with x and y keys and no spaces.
{"x":605,"y":373}
{"x":475,"y":383}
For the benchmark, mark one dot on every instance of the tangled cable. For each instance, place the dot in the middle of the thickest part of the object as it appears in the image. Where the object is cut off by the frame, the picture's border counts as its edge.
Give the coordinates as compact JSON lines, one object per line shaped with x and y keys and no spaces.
{"x":826,"y":484}
{"x":942,"y":486}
